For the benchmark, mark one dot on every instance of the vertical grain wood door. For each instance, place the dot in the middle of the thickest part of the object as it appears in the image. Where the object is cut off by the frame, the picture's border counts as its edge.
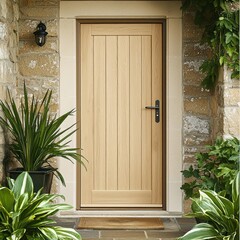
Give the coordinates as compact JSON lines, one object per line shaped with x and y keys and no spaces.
{"x":121,"y":74}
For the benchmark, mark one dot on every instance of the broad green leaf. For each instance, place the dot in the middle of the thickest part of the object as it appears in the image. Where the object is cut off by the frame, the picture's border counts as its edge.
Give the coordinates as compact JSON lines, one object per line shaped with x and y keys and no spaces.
{"x":200,"y":232}
{"x":23,"y":184}
{"x":17,"y":235}
{"x":22,"y":202}
{"x":49,"y":233}
{"x":236,"y":187}
{"x":223,"y":204}
{"x":67,"y":233}
{"x":6,"y":199}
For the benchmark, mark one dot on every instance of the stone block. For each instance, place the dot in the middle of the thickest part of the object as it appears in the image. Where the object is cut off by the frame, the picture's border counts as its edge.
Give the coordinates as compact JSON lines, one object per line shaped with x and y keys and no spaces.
{"x":29,"y":46}
{"x":188,"y":19}
{"x":232,"y":97}
{"x":197,"y":106}
{"x":41,"y":65}
{"x":7,"y":10}
{"x":7,"y":71}
{"x":28,"y":27}
{"x":191,"y":73}
{"x":190,"y":158}
{"x":187,"y":206}
{"x":3,"y":31}
{"x":32,"y":3}
{"x":195,"y":124}
{"x":231,"y":121}
{"x":196,"y":140}
{"x":39,"y":12}
{"x":4,"y":54}
{"x":196,"y":50}
{"x":192,"y":34}
{"x":192,"y":150}
{"x":195,"y":91}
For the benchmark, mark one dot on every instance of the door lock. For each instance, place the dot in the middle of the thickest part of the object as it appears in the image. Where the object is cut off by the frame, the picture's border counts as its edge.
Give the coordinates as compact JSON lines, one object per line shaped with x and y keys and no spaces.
{"x":157,"y":110}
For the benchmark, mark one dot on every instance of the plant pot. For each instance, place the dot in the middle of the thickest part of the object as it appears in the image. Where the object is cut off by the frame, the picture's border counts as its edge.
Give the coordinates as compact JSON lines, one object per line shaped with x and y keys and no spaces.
{"x":41,"y":178}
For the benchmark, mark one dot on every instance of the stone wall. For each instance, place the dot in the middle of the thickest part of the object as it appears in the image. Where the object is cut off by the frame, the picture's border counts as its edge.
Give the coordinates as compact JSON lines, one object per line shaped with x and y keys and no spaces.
{"x":9,"y":14}
{"x":207,"y":114}
{"x":39,"y":66}
{"x":229,"y":105}
{"x":198,"y":103}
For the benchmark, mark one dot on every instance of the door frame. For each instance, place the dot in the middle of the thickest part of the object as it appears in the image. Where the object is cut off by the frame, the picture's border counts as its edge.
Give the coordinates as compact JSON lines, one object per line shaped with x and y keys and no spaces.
{"x":164,"y":103}
{"x":70,"y":11}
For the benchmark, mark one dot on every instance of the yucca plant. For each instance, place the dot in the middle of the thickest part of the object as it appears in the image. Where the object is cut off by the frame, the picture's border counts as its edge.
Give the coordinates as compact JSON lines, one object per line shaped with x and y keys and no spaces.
{"x":221,"y":215}
{"x":24,"y":215}
{"x":36,"y":134}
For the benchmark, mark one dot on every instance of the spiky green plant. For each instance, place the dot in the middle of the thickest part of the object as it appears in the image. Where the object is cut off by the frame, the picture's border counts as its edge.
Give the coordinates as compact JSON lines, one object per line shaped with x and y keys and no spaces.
{"x":24,"y":215}
{"x":36,"y":134}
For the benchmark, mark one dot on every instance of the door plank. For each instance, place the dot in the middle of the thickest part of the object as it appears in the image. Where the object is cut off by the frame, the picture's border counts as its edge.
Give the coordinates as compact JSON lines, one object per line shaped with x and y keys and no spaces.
{"x":87,"y":111}
{"x":111,"y":112}
{"x":135,"y":112}
{"x":99,"y":113}
{"x":123,"y":113}
{"x":146,"y":114}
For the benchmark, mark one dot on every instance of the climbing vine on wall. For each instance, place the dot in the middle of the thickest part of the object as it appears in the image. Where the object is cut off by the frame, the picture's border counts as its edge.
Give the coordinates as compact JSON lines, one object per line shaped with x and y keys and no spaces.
{"x":220,"y":21}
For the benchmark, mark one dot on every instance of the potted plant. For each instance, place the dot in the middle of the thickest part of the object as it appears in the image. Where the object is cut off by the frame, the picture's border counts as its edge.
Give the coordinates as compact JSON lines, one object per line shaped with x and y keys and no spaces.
{"x":221,"y":215}
{"x":215,"y":169}
{"x":25,"y":215}
{"x":37,"y":137}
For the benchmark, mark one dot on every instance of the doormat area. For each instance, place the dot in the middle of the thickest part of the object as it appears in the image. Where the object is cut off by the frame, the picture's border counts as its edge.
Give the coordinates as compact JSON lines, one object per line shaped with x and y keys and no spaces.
{"x":119,"y":223}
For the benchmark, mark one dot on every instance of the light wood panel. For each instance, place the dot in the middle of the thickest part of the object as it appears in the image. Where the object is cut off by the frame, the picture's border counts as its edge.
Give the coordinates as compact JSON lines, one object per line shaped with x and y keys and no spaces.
{"x":87,"y":109}
{"x":121,"y":29}
{"x":123,"y":113}
{"x":135,"y":112}
{"x":111,"y":113}
{"x":146,"y":115}
{"x":99,"y":112}
{"x":121,"y":76}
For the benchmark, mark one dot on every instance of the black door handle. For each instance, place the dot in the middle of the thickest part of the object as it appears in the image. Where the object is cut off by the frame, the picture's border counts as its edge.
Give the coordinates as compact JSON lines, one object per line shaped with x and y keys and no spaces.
{"x":157,"y":110}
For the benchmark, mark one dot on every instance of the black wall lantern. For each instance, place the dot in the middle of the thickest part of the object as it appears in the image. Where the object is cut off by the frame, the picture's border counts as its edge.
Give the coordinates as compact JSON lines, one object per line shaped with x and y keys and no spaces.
{"x":40,"y":34}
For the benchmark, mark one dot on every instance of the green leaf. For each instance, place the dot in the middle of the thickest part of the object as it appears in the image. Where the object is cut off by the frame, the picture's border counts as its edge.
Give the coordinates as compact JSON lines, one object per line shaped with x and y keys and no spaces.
{"x":49,"y":233}
{"x":67,"y":234}
{"x":236,"y":187}
{"x":17,"y":235}
{"x":200,"y":232}
{"x":23,"y":184}
{"x":6,"y":199}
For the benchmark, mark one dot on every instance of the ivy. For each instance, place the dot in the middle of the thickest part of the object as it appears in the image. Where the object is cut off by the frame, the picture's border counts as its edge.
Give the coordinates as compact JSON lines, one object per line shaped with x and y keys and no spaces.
{"x":220,"y":21}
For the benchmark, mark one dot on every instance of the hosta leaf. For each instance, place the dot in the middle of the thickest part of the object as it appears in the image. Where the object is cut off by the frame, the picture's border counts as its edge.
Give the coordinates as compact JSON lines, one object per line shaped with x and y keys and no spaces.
{"x":223,"y":204}
{"x":17,"y":235}
{"x":6,"y":199}
{"x":21,"y":202}
{"x":41,"y":223}
{"x":200,"y":232}
{"x":23,"y":184}
{"x":49,"y":233}
{"x":236,"y":188}
{"x":67,"y":233}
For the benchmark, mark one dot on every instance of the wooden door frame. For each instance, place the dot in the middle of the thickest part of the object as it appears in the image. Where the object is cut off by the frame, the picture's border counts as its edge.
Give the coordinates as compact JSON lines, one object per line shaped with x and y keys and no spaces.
{"x":164,"y":102}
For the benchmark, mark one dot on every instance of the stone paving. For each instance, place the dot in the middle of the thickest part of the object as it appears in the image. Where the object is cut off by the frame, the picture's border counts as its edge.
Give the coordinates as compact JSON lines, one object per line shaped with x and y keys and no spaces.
{"x":173,"y":228}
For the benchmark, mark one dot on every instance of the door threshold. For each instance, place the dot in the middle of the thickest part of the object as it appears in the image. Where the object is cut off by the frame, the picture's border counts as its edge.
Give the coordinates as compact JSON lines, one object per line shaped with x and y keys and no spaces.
{"x":113,"y":213}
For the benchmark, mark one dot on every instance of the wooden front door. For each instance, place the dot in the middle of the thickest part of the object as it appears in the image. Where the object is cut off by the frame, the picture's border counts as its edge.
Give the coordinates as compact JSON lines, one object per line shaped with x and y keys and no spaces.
{"x":121,"y":74}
